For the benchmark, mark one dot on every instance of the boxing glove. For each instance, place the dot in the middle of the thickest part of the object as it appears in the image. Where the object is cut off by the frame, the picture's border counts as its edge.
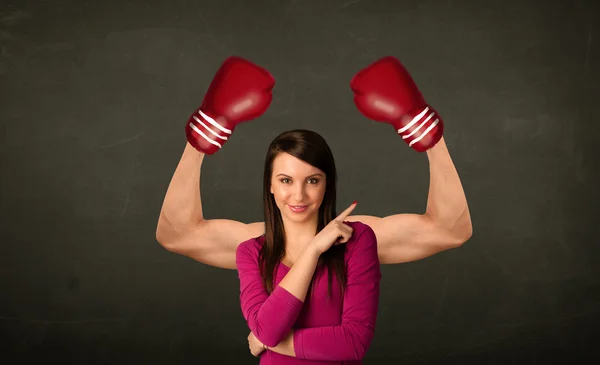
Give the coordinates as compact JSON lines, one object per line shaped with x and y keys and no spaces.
{"x":384,"y":91}
{"x":240,"y":91}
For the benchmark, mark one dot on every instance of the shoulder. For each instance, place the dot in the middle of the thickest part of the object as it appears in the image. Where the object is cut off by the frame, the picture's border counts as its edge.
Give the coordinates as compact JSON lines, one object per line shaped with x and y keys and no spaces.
{"x":359,"y":228}
{"x":250,"y":248}
{"x":362,"y":257}
{"x":363,"y":237}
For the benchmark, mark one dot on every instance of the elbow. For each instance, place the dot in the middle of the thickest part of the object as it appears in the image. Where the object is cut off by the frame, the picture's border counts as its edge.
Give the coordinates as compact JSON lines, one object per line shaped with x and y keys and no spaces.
{"x":167,"y":234}
{"x":361,"y":344}
{"x":468,"y":234}
{"x":270,"y":339}
{"x":461,"y":232}
{"x":463,"y":235}
{"x":162,"y":237}
{"x":165,"y":238}
{"x":362,"y":349}
{"x":162,"y":227}
{"x":270,"y":336}
{"x":164,"y":243}
{"x":458,"y":239}
{"x":266,"y":333}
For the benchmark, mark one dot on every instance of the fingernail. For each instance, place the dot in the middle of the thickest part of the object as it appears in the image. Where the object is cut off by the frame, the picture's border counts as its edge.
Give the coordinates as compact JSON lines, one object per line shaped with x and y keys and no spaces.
{"x":356,"y":201}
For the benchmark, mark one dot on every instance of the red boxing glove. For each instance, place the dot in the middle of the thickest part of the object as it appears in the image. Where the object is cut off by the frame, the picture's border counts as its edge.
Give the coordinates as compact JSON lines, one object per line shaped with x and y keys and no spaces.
{"x":240,"y":91}
{"x":384,"y":91}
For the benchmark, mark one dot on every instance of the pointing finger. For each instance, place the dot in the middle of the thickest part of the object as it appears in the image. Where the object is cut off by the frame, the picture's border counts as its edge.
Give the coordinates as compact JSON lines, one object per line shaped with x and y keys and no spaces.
{"x":343,"y":215}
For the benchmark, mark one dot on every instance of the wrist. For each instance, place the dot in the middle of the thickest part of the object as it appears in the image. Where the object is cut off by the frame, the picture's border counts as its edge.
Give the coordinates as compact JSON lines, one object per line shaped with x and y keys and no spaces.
{"x":421,"y":127}
{"x":311,"y":250}
{"x":192,"y":150}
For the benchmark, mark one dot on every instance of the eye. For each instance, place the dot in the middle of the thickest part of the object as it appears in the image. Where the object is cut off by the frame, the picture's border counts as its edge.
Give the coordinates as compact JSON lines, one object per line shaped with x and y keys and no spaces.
{"x":284,"y":180}
{"x":315,"y":181}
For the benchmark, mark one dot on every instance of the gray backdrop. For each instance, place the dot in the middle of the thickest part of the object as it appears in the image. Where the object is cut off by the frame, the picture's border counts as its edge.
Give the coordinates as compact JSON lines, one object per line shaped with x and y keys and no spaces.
{"x":94,"y":99}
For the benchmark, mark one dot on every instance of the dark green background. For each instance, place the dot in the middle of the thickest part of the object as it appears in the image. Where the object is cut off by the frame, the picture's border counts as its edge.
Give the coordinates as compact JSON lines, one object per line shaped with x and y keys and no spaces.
{"x":94,"y":99}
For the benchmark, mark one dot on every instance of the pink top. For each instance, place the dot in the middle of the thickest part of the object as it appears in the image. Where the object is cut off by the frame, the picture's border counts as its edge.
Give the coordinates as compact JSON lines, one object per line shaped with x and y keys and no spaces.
{"x":334,"y":330}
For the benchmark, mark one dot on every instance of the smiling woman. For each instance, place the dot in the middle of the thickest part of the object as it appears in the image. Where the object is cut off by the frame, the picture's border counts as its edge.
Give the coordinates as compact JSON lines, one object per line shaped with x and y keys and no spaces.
{"x":309,"y":286}
{"x":306,"y":267}
{"x":299,"y":192}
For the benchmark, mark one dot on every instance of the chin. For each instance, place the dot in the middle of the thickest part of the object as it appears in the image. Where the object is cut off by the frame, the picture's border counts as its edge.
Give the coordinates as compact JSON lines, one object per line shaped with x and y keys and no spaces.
{"x":305,"y":219}
{"x":297,"y":218}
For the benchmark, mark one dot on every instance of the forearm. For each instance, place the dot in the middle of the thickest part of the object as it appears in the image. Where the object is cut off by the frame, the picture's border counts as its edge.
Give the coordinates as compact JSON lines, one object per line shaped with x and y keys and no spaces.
{"x":345,"y":342}
{"x":297,"y":280}
{"x":182,"y":206}
{"x":275,"y":317}
{"x":286,"y":346}
{"x":271,"y":318}
{"x":327,"y":343}
{"x":447,"y":203}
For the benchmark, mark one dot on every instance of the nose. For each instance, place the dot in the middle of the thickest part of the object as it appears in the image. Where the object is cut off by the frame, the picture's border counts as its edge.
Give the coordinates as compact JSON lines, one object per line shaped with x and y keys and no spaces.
{"x":299,"y":193}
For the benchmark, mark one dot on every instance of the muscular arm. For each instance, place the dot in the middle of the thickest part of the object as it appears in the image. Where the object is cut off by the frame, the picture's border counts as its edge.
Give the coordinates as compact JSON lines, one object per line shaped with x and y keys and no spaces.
{"x":445,"y":224}
{"x":181,"y":227}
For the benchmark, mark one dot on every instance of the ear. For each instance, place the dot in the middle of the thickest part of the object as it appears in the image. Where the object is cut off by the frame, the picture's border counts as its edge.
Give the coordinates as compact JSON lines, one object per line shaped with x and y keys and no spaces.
{"x":271,"y":189}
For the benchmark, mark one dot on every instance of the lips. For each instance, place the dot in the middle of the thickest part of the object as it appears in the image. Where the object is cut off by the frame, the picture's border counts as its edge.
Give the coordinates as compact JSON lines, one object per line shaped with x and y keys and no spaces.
{"x":298,"y":208}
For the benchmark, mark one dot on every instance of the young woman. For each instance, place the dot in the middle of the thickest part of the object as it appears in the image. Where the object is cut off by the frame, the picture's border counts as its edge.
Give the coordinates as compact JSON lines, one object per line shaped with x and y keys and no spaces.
{"x":309,"y":286}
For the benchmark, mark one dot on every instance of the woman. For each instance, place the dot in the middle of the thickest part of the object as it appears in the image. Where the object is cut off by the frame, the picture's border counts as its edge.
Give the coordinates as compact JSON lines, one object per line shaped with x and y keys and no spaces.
{"x":309,"y":286}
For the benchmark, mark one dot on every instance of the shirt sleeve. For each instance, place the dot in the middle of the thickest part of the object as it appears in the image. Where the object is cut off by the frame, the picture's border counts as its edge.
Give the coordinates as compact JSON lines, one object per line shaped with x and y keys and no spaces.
{"x":351,"y":339}
{"x":269,"y":317}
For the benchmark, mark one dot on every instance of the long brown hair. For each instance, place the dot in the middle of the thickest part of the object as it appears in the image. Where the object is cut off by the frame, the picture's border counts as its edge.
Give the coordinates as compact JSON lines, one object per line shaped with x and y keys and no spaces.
{"x":311,"y":148}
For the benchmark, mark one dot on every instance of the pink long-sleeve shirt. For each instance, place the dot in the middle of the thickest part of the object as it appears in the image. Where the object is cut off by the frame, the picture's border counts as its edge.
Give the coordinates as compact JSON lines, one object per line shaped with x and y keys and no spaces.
{"x":327,"y":330}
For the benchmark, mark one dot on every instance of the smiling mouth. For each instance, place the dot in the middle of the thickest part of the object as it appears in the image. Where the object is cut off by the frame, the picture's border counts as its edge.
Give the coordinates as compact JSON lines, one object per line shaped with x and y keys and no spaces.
{"x":298,"y":208}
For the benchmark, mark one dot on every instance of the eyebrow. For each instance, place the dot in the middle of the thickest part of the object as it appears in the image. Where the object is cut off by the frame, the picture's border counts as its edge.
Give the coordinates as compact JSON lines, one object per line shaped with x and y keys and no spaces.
{"x":317,"y":174}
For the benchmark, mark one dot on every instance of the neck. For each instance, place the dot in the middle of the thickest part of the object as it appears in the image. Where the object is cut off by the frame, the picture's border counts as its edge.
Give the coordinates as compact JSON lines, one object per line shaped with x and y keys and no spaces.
{"x":298,"y":235}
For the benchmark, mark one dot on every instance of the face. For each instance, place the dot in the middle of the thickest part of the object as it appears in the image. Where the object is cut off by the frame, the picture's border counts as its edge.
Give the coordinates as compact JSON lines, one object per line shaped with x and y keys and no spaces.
{"x":298,"y":188}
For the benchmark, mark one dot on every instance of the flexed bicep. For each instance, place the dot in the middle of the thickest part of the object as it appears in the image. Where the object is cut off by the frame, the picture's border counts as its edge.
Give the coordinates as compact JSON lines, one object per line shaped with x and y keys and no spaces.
{"x":407,"y":237}
{"x":214,"y":241}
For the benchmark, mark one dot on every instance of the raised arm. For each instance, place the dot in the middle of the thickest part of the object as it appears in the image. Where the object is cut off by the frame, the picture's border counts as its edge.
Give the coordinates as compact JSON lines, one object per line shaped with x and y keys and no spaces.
{"x":445,"y":224}
{"x":384,"y":91}
{"x":182,"y":228}
{"x":240,"y":91}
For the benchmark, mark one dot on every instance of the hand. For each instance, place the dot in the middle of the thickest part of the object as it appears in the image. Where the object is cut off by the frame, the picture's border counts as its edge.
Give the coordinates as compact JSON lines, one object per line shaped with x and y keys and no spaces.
{"x":335,"y":233}
{"x":385,"y":91}
{"x":240,"y":91}
{"x":256,"y":347}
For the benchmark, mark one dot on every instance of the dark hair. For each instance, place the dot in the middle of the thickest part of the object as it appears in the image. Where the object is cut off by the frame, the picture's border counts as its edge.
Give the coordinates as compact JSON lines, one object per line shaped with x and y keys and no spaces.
{"x":311,"y":148}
